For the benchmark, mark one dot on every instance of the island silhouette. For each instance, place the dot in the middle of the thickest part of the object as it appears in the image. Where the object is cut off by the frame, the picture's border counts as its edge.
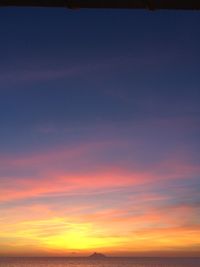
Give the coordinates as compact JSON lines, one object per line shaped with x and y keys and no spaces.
{"x":96,"y":255}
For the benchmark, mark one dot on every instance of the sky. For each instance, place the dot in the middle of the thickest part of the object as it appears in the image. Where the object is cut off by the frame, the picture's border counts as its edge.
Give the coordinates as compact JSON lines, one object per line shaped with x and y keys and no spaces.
{"x":99,"y":132}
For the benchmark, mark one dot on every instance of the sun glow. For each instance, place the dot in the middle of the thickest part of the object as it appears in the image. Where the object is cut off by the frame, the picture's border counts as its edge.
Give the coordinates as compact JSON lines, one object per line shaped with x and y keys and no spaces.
{"x":64,"y":235}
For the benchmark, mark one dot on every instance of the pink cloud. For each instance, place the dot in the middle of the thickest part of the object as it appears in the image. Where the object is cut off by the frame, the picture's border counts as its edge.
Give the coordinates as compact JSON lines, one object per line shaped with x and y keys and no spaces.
{"x":69,"y":183}
{"x":54,"y":178}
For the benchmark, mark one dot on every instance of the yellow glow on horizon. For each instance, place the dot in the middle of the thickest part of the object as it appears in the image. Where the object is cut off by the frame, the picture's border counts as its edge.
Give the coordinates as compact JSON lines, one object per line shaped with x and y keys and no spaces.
{"x":79,"y":240}
{"x":62,"y":235}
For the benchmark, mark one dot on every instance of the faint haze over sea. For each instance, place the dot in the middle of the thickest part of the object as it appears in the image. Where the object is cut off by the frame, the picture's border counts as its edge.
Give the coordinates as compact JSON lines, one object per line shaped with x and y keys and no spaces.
{"x":107,"y":262}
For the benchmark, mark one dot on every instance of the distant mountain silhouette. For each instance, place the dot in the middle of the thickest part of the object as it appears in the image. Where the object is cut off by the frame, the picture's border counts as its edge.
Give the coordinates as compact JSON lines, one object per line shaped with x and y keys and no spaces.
{"x":97,"y":256}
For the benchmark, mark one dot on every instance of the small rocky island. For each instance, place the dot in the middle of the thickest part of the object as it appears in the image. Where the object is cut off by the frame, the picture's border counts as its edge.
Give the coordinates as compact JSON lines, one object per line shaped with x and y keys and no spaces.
{"x":97,"y":256}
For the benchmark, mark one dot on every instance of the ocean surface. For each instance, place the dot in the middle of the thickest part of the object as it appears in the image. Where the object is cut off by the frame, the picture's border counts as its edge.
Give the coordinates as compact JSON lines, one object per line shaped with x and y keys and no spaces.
{"x":107,"y":262}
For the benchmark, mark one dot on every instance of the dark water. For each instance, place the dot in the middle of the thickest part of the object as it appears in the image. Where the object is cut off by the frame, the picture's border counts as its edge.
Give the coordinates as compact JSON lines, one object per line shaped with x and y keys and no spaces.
{"x":108,"y":262}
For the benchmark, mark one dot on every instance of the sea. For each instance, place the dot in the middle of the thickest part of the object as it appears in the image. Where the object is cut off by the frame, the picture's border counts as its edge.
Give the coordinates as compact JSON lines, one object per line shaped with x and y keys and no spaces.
{"x":105,"y":262}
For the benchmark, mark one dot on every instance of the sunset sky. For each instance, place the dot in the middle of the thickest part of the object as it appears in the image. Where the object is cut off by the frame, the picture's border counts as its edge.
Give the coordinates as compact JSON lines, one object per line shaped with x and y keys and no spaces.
{"x":99,"y":132}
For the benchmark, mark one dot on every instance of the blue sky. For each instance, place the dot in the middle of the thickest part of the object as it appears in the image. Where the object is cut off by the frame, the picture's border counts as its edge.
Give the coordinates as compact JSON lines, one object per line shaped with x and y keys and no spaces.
{"x":99,"y":116}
